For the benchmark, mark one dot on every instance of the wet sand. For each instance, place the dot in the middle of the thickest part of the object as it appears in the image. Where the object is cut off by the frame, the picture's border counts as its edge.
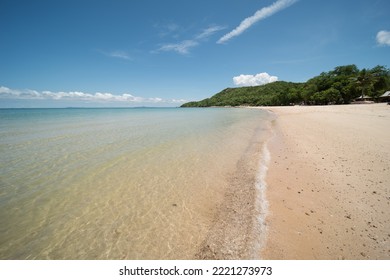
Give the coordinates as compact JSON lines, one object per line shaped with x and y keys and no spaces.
{"x":236,"y":232}
{"x":329,"y":183}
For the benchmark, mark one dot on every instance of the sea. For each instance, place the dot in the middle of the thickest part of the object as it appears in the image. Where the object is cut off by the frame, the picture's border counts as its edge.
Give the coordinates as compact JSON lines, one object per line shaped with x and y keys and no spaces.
{"x":120,"y":183}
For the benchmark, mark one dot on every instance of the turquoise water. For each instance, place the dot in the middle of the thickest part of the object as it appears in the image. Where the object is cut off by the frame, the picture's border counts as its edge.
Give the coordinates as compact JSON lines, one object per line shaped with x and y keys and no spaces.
{"x":116,"y":183}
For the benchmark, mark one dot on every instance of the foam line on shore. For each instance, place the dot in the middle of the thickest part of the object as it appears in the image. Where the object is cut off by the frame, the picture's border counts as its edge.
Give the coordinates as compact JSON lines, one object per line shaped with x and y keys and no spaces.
{"x":262,"y":202}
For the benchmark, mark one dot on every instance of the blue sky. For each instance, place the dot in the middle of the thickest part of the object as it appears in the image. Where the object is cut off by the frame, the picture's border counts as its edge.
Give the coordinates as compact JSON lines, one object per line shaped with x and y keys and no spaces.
{"x":56,"y":53}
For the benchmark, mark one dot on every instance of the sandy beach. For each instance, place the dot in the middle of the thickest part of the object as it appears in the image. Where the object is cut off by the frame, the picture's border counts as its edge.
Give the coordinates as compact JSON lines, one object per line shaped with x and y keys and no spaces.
{"x":329,"y":183}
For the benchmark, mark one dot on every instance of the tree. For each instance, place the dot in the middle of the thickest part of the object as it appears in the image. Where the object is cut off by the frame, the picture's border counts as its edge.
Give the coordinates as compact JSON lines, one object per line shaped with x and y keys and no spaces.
{"x":381,"y":82}
{"x":365,"y":80}
{"x":347,"y":70}
{"x":341,"y":85}
{"x":332,"y":96}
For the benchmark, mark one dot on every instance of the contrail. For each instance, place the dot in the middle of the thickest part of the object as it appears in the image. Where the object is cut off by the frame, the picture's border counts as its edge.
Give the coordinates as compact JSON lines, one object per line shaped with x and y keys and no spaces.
{"x":259,"y":15}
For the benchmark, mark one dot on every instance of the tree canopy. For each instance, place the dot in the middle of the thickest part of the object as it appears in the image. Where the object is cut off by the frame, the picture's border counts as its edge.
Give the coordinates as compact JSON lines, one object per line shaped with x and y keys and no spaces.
{"x":342,"y":85}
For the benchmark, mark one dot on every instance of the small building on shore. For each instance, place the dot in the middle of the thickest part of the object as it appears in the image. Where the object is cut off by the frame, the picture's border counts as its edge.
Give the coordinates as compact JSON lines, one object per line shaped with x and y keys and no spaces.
{"x":363,"y":100}
{"x":385,"y":97}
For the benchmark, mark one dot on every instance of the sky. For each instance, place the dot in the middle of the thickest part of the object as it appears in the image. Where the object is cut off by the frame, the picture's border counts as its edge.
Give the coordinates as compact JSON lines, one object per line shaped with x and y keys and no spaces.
{"x":115,"y":53}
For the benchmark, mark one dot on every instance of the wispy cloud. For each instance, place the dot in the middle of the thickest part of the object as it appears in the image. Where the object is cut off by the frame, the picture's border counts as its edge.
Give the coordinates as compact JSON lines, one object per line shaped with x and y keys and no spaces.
{"x":383,"y":38}
{"x":170,"y":29}
{"x":116,"y":54}
{"x":184,"y":47}
{"x":206,"y":33}
{"x":7,"y":93}
{"x":259,"y":15}
{"x":254,"y":80}
{"x":120,"y":54}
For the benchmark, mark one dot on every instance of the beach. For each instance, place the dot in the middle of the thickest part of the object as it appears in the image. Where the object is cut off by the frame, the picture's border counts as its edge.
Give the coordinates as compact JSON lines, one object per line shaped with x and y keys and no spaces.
{"x":328,"y":183}
{"x":144,"y":184}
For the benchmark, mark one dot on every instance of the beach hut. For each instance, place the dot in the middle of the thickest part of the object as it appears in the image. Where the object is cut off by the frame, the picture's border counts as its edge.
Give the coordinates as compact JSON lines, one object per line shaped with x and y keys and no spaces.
{"x":363,"y":99}
{"x":385,"y":97}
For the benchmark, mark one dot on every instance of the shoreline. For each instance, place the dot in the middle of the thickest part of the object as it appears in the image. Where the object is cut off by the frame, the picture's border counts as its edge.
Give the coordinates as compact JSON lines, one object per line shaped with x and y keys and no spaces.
{"x":328,"y":183}
{"x":238,"y":230}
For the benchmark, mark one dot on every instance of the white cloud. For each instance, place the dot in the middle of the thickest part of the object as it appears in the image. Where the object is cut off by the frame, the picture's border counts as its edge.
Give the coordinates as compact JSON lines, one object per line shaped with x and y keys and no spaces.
{"x":206,"y":33}
{"x":116,"y":54}
{"x":7,"y":93}
{"x":254,"y":80}
{"x":182,"y":47}
{"x":185,"y":46}
{"x":259,"y":15}
{"x":383,"y":38}
{"x":119,"y":54}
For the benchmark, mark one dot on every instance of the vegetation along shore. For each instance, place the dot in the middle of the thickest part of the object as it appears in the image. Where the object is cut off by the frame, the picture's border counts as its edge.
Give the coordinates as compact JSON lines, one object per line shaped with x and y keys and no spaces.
{"x":342,"y":85}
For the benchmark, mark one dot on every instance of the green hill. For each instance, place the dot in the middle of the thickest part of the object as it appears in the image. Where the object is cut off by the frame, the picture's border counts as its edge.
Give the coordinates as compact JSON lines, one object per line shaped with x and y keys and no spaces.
{"x":339,"y":86}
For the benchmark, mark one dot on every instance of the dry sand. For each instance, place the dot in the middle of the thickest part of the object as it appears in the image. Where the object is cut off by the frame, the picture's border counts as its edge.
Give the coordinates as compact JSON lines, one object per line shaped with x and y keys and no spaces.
{"x":329,"y":183}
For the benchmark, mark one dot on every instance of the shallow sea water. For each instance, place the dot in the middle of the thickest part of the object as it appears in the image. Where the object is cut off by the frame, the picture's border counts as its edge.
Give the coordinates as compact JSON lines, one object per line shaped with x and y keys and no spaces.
{"x":116,"y":183}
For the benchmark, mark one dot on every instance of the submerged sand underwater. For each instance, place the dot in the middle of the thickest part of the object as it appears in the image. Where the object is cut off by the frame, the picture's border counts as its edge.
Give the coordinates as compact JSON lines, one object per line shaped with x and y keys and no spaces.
{"x":130,"y":183}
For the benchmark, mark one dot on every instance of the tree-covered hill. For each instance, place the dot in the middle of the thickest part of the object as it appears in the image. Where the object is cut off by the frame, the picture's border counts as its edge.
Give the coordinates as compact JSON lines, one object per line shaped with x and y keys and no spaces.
{"x":339,"y":86}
